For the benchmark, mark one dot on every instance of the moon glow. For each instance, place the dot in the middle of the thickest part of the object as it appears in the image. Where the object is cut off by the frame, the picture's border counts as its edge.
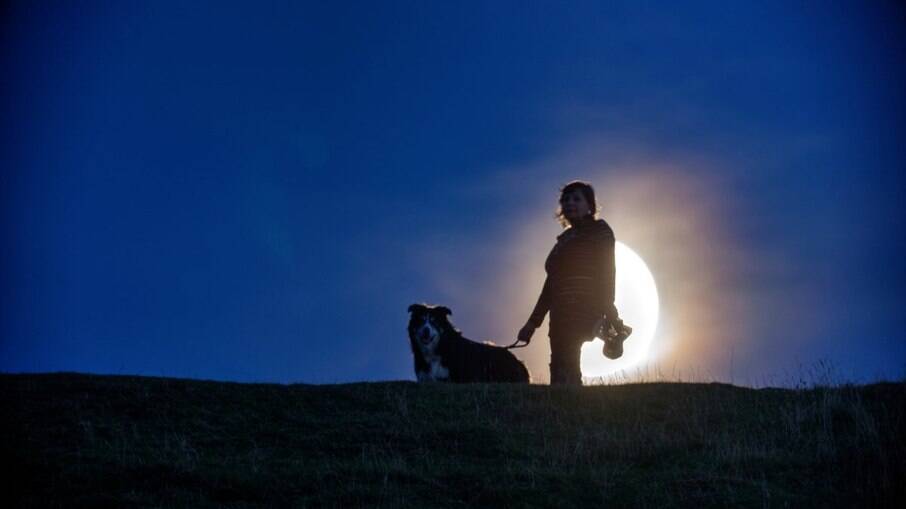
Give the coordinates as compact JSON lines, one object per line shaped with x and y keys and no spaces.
{"x":638,"y":304}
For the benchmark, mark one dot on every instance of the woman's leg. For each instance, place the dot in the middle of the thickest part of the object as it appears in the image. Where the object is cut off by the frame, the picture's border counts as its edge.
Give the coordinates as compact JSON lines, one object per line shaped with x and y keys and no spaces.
{"x":568,"y":330}
{"x":565,"y":356}
{"x":565,"y":366}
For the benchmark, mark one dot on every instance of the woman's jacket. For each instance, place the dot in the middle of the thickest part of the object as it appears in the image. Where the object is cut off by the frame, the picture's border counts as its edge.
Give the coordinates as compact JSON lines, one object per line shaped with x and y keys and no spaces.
{"x":581,"y":273}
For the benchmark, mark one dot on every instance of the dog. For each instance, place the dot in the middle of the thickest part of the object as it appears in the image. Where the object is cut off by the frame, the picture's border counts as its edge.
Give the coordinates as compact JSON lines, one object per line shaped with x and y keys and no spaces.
{"x":442,"y":354}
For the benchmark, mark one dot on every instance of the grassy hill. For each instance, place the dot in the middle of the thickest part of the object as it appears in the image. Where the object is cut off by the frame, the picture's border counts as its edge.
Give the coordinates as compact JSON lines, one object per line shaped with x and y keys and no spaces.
{"x":110,"y":441}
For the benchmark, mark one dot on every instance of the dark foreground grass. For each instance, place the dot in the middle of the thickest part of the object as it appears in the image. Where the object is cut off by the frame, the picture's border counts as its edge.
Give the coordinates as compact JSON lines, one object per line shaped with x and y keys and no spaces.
{"x":73,"y":440}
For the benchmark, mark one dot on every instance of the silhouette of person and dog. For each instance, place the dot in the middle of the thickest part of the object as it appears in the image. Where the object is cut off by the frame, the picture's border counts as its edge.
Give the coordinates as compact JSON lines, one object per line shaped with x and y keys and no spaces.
{"x":578,"y":291}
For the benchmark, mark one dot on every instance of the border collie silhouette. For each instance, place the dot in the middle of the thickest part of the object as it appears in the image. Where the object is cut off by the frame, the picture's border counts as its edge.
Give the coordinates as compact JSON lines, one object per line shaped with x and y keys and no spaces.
{"x":442,"y":354}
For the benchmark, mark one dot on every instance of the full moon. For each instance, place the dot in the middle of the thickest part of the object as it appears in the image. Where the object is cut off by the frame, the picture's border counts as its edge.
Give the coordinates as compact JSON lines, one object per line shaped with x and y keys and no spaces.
{"x":638,"y":304}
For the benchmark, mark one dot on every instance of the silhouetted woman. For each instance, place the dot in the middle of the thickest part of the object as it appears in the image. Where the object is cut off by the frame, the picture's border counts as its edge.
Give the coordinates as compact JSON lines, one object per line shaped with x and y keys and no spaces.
{"x":580,"y":282}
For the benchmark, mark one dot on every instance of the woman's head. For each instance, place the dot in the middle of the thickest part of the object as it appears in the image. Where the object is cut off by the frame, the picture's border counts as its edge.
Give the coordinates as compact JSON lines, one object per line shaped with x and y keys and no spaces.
{"x":577,"y":200}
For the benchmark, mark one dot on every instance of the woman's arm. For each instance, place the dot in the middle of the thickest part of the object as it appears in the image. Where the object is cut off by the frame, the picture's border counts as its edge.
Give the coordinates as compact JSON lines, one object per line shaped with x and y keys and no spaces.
{"x":605,"y":273}
{"x":542,"y":306}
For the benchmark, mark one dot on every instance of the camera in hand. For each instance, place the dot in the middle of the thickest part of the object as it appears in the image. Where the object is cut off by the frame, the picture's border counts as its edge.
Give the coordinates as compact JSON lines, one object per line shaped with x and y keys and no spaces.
{"x":613,"y":332}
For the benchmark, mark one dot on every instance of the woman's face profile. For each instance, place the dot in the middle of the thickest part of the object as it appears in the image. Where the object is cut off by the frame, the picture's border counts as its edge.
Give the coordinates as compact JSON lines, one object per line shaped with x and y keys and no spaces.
{"x":574,"y":205}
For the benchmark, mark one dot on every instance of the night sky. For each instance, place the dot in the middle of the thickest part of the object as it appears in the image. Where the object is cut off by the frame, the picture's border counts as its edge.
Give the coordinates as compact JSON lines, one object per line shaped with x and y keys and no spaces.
{"x":257,"y":192}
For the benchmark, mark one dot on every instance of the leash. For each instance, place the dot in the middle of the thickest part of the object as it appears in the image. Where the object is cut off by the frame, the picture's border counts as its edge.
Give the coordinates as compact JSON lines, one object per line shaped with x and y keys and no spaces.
{"x":516,"y":345}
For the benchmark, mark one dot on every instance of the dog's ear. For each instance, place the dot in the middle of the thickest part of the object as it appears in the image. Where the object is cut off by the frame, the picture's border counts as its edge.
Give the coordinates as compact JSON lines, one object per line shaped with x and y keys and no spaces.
{"x":444,"y":310}
{"x":416,"y":307}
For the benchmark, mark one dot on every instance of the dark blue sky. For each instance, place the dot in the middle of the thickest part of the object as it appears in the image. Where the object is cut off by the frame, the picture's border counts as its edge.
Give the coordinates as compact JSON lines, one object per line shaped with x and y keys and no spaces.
{"x":257,"y":193}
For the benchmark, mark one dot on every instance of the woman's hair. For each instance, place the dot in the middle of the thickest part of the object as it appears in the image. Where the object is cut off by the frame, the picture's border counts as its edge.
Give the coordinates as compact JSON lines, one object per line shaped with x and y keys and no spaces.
{"x":587,"y":191}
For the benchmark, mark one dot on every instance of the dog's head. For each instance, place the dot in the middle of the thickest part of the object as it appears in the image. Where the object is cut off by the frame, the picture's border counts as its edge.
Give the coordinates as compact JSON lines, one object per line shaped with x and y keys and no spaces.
{"x":427,"y":324}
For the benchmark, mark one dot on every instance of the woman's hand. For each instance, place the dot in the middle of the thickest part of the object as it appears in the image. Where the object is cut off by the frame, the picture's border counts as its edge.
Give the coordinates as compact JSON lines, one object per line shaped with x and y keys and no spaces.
{"x":525,"y":333}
